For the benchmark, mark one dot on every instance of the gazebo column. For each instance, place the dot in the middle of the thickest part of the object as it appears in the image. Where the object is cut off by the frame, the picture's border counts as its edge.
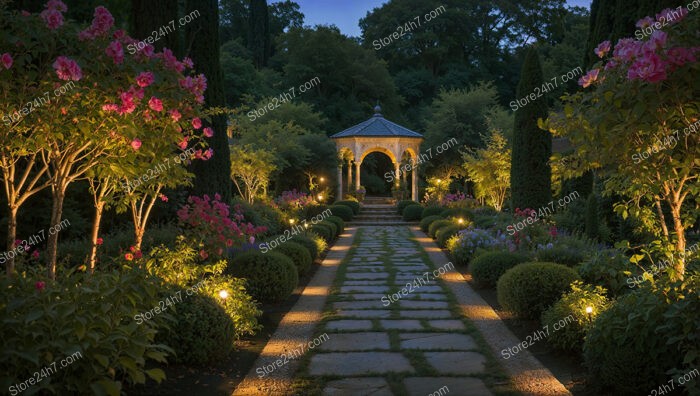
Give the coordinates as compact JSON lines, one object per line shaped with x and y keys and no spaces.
{"x":414,"y":187}
{"x":403,"y":177}
{"x":349,"y":175}
{"x":340,"y":182}
{"x":397,"y":169}
{"x":357,"y":175}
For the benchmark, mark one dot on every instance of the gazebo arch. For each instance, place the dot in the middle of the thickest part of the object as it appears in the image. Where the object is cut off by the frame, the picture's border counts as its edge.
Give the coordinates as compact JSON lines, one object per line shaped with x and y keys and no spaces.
{"x":377,"y":135}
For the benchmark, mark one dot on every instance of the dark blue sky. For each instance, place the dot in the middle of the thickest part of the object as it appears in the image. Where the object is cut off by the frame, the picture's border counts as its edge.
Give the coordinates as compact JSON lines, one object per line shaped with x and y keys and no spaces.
{"x":347,"y":13}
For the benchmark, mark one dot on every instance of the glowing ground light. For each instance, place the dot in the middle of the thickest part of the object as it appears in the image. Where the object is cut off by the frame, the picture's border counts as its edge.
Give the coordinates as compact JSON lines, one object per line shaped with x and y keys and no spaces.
{"x":460,"y":221}
{"x":589,"y":310}
{"x":291,"y":221}
{"x":320,"y":197}
{"x":223,"y":294}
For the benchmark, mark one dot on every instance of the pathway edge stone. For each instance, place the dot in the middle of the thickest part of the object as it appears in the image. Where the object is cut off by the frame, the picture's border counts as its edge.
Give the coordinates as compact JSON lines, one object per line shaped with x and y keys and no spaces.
{"x":527,"y":374}
{"x":297,"y":326}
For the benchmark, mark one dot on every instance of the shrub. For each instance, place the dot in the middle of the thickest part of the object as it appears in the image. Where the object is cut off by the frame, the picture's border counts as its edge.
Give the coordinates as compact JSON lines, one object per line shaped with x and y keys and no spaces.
{"x":488,"y":267}
{"x":321,"y":244}
{"x":322,"y":231}
{"x":271,"y":277}
{"x":342,"y":211}
{"x":463,"y":213}
{"x":238,"y":305}
{"x":308,"y":243}
{"x":431,"y":211}
{"x":315,"y":211}
{"x":530,"y":288}
{"x":623,"y":350}
{"x":331,"y":226}
{"x":202,"y":332}
{"x":401,"y":205}
{"x":354,"y":205}
{"x":436,"y":225}
{"x":426,"y":222}
{"x":571,"y":310}
{"x":299,"y":255}
{"x":43,"y":321}
{"x":567,"y":250}
{"x":469,"y":242}
{"x":610,"y":269}
{"x":444,"y":233}
{"x":412,"y":212}
{"x":339,"y":223}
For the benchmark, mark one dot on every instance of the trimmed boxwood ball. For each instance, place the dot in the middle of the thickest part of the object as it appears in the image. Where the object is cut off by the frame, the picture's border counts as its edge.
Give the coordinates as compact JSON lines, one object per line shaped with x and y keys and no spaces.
{"x":436,"y":225}
{"x":529,"y":288}
{"x":412,"y":212}
{"x":323,"y":231}
{"x":332,"y":226}
{"x":308,"y":243}
{"x":444,"y":233}
{"x":426,"y":222}
{"x":488,"y":267}
{"x":299,"y":255}
{"x":201,"y":333}
{"x":403,"y":204}
{"x":314,"y":211}
{"x":431,"y":211}
{"x":466,"y":214}
{"x":566,"y":255}
{"x":342,"y":211}
{"x":624,"y":351}
{"x":354,"y":205}
{"x":339,"y":223}
{"x":271,"y":277}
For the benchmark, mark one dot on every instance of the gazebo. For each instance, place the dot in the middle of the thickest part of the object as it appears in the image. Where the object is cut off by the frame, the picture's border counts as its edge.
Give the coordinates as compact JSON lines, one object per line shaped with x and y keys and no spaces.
{"x":378,"y":135}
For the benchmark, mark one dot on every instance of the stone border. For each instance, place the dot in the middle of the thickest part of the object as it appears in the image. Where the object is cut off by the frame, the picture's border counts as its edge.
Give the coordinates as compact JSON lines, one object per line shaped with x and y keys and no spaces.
{"x":526,"y":373}
{"x":297,"y":326}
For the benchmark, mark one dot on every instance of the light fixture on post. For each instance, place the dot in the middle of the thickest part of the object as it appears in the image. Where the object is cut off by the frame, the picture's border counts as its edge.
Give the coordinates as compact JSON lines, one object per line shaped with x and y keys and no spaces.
{"x":223,"y":294}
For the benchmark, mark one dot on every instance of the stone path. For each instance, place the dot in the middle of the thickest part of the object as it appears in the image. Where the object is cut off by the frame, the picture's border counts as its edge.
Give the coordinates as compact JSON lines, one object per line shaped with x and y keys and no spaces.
{"x":387,"y":338}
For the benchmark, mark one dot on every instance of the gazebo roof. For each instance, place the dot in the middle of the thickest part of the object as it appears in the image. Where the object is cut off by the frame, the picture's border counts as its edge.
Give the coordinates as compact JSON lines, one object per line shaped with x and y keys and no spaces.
{"x":377,"y":126}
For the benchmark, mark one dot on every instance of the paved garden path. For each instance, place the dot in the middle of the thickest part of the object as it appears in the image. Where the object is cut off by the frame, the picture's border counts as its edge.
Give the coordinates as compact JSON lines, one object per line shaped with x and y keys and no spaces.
{"x":385,"y":337}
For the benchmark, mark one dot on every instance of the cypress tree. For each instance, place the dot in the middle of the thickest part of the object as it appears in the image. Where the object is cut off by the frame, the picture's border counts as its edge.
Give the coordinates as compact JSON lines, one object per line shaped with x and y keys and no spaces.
{"x":531,"y":175}
{"x":148,"y":16}
{"x":212,"y":176}
{"x":259,"y":33}
{"x":592,"y":217}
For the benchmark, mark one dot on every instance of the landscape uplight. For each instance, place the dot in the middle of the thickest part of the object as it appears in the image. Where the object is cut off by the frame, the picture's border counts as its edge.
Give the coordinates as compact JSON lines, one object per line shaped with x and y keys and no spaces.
{"x":460,"y":221}
{"x":322,"y":179}
{"x":320,"y":197}
{"x":223,"y":294}
{"x":291,"y":221}
{"x":589,"y":310}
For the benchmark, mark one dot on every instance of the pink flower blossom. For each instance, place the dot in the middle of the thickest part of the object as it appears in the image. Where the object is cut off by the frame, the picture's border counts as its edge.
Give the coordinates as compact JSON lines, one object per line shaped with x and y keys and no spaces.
{"x":110,"y":107}
{"x":155,"y":104}
{"x":67,"y":69}
{"x":208,"y":132}
{"x":208,"y":154}
{"x":138,"y":93}
{"x":6,"y":60}
{"x":650,"y":68}
{"x":136,"y":144}
{"x":188,"y":62}
{"x":102,"y":22}
{"x":671,"y":16}
{"x":163,"y":197}
{"x":602,"y":49}
{"x":119,"y":34}
{"x":645,"y":22}
{"x":627,"y":49}
{"x":115,"y":50}
{"x":589,"y":78}
{"x":196,"y":123}
{"x":144,"y":79}
{"x":611,"y":65}
{"x":203,"y":254}
{"x":53,"y":18}
{"x":175,"y":115}
{"x":171,"y":61}
{"x":656,"y":41}
{"x":35,"y":254}
{"x":40,"y":285}
{"x":183,"y":143}
{"x":129,"y":256}
{"x":99,"y":241}
{"x":679,"y":56}
{"x":128,"y":104}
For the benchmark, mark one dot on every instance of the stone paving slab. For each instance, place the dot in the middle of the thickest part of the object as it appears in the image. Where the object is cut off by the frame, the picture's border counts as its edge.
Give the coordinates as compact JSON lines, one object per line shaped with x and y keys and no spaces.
{"x":356,"y":342}
{"x":366,"y":275}
{"x":401,"y":324}
{"x":432,"y":341}
{"x":421,"y":386}
{"x":364,"y":283}
{"x":359,"y":363}
{"x":364,"y":386}
{"x":372,"y":304}
{"x":448,"y":324}
{"x":349,"y":325}
{"x":364,"y":289}
{"x":413,"y":304}
{"x":458,"y":363}
{"x":366,"y":313}
{"x":426,"y":314}
{"x":362,"y":296}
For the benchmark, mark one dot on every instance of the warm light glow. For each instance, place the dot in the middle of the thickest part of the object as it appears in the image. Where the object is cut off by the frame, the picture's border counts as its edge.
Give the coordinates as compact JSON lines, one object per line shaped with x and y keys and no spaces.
{"x":589,"y":309}
{"x":322,"y":179}
{"x":320,"y":197}
{"x":306,"y":225}
{"x":439,"y":180}
{"x":223,"y":294}
{"x":460,"y":221}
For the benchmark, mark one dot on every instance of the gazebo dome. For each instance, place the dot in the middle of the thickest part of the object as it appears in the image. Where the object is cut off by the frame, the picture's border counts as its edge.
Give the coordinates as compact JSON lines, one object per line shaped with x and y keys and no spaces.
{"x":377,"y":126}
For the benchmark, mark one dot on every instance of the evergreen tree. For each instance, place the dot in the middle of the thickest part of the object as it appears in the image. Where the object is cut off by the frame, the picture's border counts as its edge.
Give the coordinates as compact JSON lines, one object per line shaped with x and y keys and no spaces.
{"x":212,"y":176}
{"x":531,"y":175}
{"x":148,"y":16}
{"x":259,"y":33}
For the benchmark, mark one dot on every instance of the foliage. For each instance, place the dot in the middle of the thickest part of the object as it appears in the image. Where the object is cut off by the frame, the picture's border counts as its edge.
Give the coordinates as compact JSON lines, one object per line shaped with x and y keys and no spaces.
{"x":467,"y":242}
{"x":436,"y":225}
{"x":488,"y":267}
{"x":331,"y":226}
{"x":445,"y":233}
{"x":427,"y":221}
{"x":567,"y":250}
{"x":314,"y":211}
{"x":354,"y":205}
{"x":323,"y":231}
{"x":530,"y":171}
{"x":207,"y":224}
{"x":592,"y":222}
{"x":412,"y":212}
{"x":401,"y":205}
{"x":270,"y":277}
{"x":530,"y":288}
{"x":251,"y":170}
{"x":574,"y":305}
{"x":431,"y":211}
{"x":339,"y":223}
{"x":262,"y":215}
{"x":342,"y":211}
{"x":321,"y":243}
{"x":489,"y":169}
{"x":299,"y":255}
{"x":308,"y":243}
{"x":41,"y":323}
{"x":457,"y":213}
{"x":647,"y":148}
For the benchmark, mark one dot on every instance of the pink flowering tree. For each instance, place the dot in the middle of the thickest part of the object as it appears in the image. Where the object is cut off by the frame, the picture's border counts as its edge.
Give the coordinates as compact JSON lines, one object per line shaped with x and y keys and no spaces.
{"x":124,"y":113}
{"x":636,"y":120}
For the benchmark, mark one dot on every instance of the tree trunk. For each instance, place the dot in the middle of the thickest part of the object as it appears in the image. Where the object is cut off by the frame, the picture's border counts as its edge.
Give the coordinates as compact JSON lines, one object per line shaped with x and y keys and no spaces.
{"x":148,"y":16}
{"x":59,"y":194}
{"x":11,"y":236}
{"x":99,"y":208}
{"x":662,"y":218}
{"x":679,"y":264}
